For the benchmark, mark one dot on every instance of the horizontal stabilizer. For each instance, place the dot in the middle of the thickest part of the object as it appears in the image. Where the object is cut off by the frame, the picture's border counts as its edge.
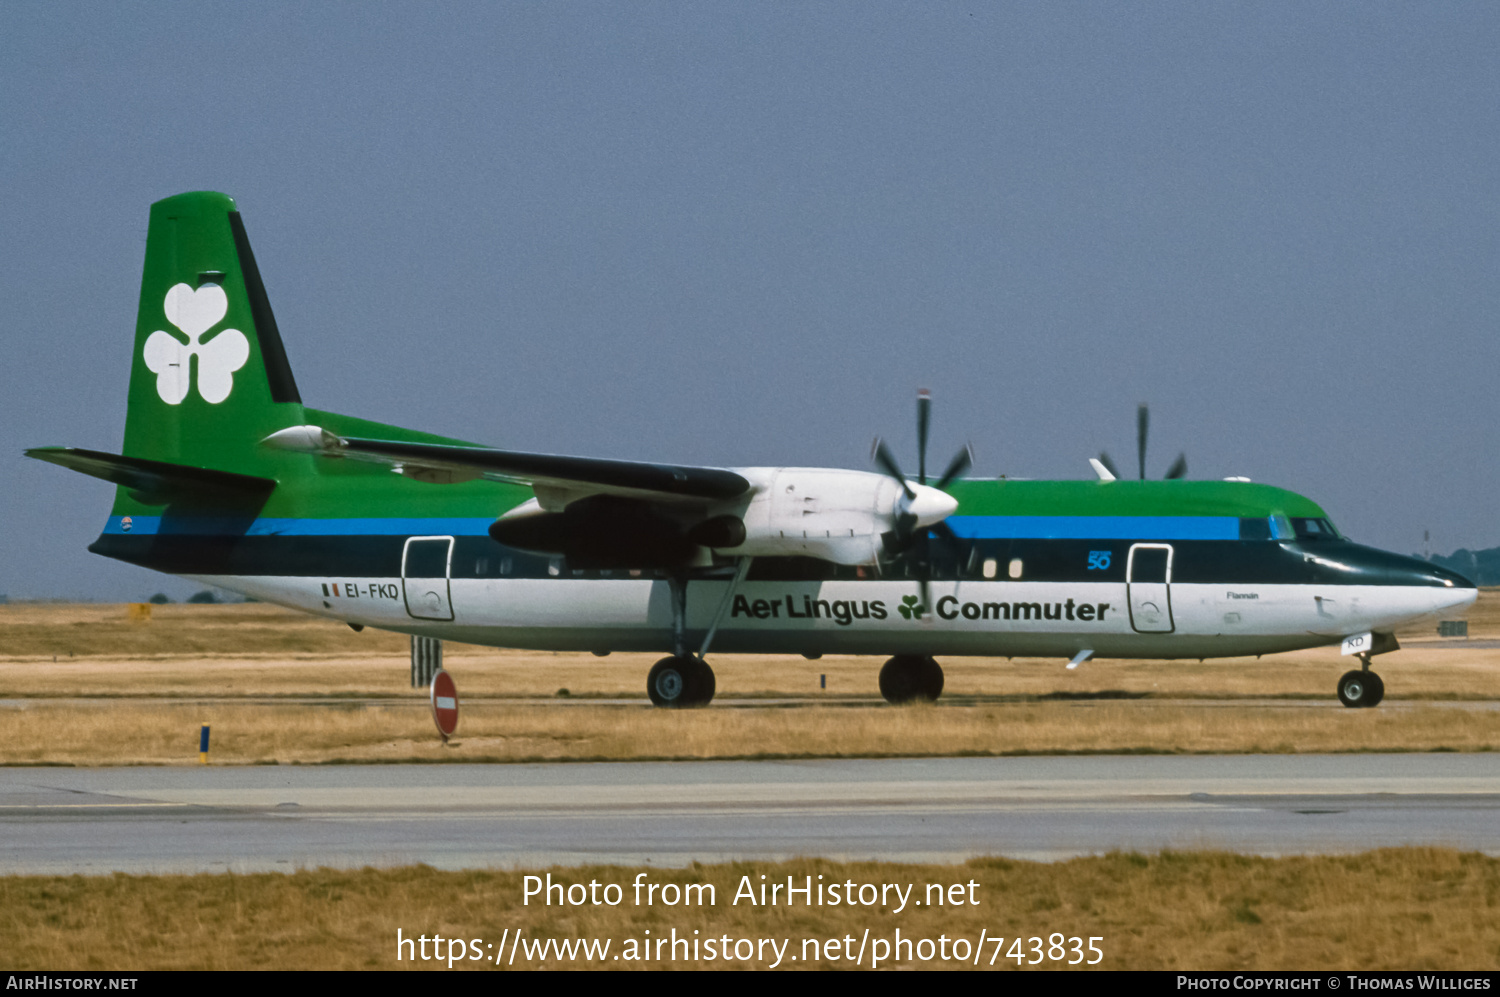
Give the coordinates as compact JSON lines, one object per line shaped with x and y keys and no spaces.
{"x":157,"y":482}
{"x":572,"y":476}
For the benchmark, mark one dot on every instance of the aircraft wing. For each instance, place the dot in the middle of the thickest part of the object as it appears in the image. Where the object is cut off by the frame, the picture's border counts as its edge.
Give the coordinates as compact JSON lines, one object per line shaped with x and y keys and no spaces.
{"x":551,"y":475}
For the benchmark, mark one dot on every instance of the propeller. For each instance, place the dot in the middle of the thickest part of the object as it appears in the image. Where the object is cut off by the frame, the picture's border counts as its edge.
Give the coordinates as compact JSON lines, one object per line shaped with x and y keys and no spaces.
{"x":1142,"y":426}
{"x":911,"y":537}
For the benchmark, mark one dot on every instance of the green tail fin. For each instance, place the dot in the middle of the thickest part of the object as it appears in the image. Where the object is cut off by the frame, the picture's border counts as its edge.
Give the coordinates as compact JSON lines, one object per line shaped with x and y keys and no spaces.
{"x":209,"y":377}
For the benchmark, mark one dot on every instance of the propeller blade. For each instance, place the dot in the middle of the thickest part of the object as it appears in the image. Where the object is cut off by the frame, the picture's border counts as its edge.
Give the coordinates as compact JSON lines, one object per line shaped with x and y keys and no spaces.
{"x":945,"y":533}
{"x":958,"y":549}
{"x":1109,"y":465}
{"x":960,"y":463}
{"x":924,"y":419}
{"x":1178,"y":468}
{"x":907,"y":542}
{"x":1142,"y":423}
{"x":924,"y":568}
{"x":882,"y":456}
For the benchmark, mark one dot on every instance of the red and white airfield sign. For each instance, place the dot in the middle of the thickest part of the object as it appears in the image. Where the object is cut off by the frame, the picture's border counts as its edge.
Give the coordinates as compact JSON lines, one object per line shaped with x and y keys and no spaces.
{"x":444,"y":703}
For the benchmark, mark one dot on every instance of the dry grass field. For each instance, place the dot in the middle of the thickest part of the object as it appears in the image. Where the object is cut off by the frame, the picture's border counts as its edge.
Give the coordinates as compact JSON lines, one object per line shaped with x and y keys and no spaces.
{"x":124,"y":732}
{"x":1398,"y":909}
{"x":86,"y":685}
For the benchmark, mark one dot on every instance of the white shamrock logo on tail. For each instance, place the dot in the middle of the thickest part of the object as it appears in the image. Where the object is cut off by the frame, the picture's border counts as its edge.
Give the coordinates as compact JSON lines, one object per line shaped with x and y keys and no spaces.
{"x":194,"y":313}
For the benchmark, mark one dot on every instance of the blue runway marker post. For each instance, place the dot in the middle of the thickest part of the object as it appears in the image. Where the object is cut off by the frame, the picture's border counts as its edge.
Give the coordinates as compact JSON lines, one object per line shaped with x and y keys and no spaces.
{"x":203,"y":745}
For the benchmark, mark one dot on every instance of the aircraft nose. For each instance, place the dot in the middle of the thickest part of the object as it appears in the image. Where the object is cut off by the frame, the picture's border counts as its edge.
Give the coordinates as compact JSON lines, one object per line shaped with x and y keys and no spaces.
{"x":1463,"y":598}
{"x":1443,"y":590}
{"x":1450,"y":579}
{"x":1359,"y":565}
{"x":1460,"y":591}
{"x":931,"y":505}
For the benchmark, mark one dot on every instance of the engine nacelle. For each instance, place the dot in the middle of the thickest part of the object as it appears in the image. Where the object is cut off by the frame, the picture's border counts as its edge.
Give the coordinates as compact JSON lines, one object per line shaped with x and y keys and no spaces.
{"x":601,"y":531}
{"x":836,"y":515}
{"x":828,"y":513}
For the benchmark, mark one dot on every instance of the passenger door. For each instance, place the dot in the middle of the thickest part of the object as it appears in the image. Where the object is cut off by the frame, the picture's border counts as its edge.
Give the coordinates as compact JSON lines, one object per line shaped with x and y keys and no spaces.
{"x":1148,"y":584}
{"x":425,"y":563}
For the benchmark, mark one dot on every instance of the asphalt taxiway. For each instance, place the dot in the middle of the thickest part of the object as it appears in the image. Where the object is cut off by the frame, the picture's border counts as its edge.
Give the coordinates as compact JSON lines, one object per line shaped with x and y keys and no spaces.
{"x":137,"y":819}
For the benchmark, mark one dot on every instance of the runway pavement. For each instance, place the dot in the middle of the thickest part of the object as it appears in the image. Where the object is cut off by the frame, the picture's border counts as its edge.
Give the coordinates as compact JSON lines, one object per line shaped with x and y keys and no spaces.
{"x":134,"y":819}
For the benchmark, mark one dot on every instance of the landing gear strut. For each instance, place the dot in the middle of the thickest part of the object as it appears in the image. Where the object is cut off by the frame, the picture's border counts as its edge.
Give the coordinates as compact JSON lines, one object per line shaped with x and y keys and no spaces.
{"x":685,"y":679}
{"x":910,"y":678}
{"x":1361,"y":688}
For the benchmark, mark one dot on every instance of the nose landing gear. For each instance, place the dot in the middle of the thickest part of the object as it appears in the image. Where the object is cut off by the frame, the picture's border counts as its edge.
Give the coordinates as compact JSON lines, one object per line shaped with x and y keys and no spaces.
{"x":910,"y":678}
{"x":1361,"y":688}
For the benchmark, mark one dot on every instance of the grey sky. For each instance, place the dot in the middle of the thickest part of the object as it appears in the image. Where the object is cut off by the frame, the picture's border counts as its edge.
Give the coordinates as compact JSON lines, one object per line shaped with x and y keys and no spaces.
{"x":747,"y":233}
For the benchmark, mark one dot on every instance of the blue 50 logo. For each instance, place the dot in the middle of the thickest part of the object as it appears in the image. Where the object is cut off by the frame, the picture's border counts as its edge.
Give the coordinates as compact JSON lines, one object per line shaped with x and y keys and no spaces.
{"x":1098,"y":560}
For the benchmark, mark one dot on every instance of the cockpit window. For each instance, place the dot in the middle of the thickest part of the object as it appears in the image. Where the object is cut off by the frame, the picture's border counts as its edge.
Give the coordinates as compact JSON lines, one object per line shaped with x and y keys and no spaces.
{"x":1258,"y":528}
{"x":1314,"y":529}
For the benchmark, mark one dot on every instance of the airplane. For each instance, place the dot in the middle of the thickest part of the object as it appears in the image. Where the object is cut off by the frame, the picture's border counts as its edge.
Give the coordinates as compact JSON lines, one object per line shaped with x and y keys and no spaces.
{"x":227,"y":478}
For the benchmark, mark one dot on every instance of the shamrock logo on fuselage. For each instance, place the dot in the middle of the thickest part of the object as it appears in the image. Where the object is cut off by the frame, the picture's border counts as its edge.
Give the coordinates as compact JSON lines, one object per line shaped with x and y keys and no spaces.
{"x":194,"y":313}
{"x":911,"y":607}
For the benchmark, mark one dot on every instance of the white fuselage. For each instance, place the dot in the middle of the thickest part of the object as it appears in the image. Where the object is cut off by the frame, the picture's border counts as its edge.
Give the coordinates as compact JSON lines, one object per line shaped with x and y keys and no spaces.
{"x":994,"y":618}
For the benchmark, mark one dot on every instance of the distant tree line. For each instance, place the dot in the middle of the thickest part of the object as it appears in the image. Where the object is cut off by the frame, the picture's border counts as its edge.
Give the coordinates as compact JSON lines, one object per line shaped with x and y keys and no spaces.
{"x":206,"y":597}
{"x":1482,"y":567}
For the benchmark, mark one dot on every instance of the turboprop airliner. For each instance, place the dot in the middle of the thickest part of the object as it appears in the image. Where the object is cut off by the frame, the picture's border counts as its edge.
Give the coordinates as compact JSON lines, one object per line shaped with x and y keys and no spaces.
{"x":227,"y":478}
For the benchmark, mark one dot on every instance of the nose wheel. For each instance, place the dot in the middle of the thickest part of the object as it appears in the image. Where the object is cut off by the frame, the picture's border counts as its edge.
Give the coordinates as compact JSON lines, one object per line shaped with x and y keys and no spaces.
{"x":680,"y":681}
{"x":1361,"y":688}
{"x":911,"y":678}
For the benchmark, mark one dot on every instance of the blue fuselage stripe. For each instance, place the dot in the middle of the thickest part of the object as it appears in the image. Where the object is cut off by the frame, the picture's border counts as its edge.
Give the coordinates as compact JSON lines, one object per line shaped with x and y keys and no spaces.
{"x":1096,"y":527}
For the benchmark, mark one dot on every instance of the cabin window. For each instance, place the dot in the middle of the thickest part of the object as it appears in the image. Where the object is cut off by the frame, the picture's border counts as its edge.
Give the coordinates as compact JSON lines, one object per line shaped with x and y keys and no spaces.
{"x":505,"y":565}
{"x":554,"y":567}
{"x":481,"y":565}
{"x":1015,"y":567}
{"x":991,"y":566}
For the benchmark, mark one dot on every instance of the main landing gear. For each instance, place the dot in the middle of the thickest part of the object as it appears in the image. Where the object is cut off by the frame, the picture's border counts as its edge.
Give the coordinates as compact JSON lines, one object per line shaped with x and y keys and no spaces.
{"x":1362,"y":687}
{"x":680,"y":681}
{"x":685,"y":679}
{"x":911,"y":678}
